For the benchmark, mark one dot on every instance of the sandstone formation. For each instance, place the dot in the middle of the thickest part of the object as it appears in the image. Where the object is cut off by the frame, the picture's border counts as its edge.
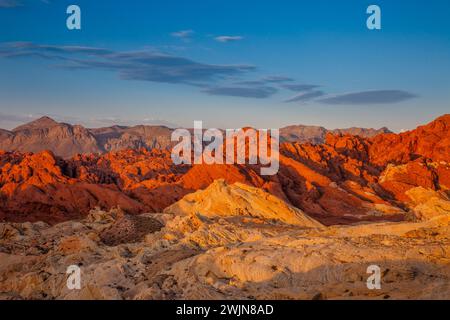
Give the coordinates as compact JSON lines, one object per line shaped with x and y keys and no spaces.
{"x":345,"y":180}
{"x":140,"y":227}
{"x":193,"y":256}
{"x":240,"y":200}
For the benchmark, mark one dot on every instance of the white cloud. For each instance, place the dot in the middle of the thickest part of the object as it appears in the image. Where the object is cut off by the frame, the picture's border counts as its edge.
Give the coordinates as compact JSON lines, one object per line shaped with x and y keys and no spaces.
{"x":228,"y":38}
{"x":183,"y":34}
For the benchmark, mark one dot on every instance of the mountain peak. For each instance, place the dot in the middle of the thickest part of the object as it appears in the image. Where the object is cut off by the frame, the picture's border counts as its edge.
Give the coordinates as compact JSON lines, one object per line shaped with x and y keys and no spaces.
{"x":42,"y":122}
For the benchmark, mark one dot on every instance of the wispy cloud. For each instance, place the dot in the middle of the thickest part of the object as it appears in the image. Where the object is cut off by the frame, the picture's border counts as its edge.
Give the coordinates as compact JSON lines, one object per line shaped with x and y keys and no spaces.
{"x":306,"y":96}
{"x":277,"y":79}
{"x":111,"y":121}
{"x":269,"y":80}
{"x":228,"y":38}
{"x":29,"y":47}
{"x":300,"y":87}
{"x":17,"y":3}
{"x":6,"y":117}
{"x":185,"y":35}
{"x":369,"y":97}
{"x":10,"y":3}
{"x":147,"y":65}
{"x":251,"y":83}
{"x":243,"y":92}
{"x":215,"y":79}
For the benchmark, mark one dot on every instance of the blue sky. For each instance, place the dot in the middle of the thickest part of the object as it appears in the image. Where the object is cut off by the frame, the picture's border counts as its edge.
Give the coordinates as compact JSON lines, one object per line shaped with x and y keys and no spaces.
{"x":229,"y":63}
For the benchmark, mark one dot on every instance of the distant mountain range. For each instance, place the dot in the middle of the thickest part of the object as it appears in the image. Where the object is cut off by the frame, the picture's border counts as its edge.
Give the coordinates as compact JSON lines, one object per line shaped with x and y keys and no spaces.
{"x":66,"y":140}
{"x":316,"y":134}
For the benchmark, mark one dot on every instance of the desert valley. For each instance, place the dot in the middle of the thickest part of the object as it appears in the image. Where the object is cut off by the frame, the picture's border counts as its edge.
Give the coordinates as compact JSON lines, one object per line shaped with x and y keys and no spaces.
{"x":111,"y":201}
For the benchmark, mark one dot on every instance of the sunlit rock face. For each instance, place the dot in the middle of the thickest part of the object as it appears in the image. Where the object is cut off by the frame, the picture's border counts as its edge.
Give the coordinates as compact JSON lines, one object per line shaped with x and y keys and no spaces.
{"x":345,"y":180}
{"x":212,"y":255}
{"x":140,"y":227}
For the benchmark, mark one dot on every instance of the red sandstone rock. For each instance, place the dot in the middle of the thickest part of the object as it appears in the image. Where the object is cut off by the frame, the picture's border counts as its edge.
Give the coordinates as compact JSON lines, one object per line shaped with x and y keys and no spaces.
{"x":344,"y":180}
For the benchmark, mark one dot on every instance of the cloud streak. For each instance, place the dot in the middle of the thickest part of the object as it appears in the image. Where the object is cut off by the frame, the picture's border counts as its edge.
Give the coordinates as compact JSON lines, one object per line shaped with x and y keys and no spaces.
{"x":5,"y":117}
{"x":300,"y":87}
{"x":25,"y":47}
{"x":243,"y":92}
{"x":10,"y":3}
{"x":225,"y":39}
{"x":129,"y":65}
{"x":277,"y":79}
{"x":184,"y":35}
{"x":369,"y":97}
{"x":214,"y":79}
{"x":306,"y":96}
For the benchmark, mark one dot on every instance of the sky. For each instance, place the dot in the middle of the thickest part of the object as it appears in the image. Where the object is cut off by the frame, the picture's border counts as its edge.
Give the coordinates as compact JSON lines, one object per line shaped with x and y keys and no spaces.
{"x":233,"y":63}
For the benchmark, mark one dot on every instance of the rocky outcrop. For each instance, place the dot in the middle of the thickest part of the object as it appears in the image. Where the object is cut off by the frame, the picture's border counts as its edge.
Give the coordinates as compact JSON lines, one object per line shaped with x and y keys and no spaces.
{"x":347,"y":179}
{"x":430,"y":141}
{"x":308,"y":232}
{"x":240,"y":200}
{"x":34,"y":187}
{"x":427,"y":204}
{"x":222,"y":257}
